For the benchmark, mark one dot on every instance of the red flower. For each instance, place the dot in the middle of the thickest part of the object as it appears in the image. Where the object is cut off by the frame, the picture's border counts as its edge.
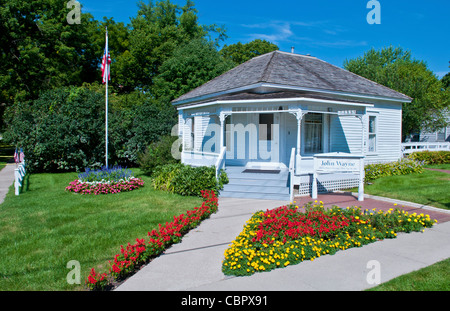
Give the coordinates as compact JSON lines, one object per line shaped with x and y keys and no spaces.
{"x":135,"y":254}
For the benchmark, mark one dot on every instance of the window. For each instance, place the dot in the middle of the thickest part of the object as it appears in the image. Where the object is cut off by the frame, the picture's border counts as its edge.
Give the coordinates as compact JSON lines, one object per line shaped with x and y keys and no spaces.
{"x":440,"y":134}
{"x":372,"y":133}
{"x":265,"y":126}
{"x":313,"y":133}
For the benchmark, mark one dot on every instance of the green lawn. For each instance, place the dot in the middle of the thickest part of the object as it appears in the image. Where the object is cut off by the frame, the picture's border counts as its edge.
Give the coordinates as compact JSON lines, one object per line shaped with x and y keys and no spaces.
{"x":45,"y":227}
{"x":433,"y":278}
{"x":439,"y":166}
{"x":429,"y":188}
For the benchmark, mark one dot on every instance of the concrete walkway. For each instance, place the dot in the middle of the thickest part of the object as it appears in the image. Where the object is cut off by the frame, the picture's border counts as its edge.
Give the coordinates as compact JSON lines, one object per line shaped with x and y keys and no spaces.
{"x":195,"y":263}
{"x":6,"y":179}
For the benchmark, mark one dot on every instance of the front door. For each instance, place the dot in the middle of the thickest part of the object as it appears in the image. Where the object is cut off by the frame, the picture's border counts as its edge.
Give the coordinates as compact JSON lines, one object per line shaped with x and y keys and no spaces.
{"x":240,"y":139}
{"x":269,"y":137}
{"x":252,"y":138}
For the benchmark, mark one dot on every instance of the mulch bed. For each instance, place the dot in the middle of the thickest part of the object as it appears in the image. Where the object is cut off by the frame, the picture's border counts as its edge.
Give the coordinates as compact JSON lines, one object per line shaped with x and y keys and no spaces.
{"x":344,"y":200}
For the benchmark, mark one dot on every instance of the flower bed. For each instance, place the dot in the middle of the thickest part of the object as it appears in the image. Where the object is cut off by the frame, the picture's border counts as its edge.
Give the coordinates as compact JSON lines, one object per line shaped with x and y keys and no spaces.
{"x":106,"y":187}
{"x":104,"y":181}
{"x":132,"y":256}
{"x":286,"y":236}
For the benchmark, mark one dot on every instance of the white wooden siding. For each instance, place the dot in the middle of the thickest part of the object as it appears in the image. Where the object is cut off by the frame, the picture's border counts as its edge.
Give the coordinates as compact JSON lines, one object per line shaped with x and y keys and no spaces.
{"x":389,"y":133}
{"x":345,"y":134}
{"x":200,"y":126}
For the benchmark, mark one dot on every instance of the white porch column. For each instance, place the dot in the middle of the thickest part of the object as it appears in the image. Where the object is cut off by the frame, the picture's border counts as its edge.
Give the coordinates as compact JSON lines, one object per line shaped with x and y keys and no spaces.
{"x":222,"y":117}
{"x":299,"y":116}
{"x":181,"y":130}
{"x":363,"y":119}
{"x":299,"y":132}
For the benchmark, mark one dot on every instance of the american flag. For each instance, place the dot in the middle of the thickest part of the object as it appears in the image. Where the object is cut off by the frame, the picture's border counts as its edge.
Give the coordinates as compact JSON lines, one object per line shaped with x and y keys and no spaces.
{"x":106,"y":62}
{"x":21,"y":155}
{"x":16,"y":157}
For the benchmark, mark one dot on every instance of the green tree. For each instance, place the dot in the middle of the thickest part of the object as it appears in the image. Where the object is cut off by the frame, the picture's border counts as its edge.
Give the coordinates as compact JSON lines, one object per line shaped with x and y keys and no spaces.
{"x":40,"y":50}
{"x":446,"y":80}
{"x":240,"y":53}
{"x":64,"y":128}
{"x":191,"y":65}
{"x":156,"y":31}
{"x":61,"y":130}
{"x":396,"y":69}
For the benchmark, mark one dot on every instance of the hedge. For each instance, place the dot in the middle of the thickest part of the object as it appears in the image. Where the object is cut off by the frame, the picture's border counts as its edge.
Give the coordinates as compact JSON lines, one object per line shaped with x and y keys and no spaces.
{"x":187,"y":180}
{"x":431,"y":157}
{"x":401,"y":167}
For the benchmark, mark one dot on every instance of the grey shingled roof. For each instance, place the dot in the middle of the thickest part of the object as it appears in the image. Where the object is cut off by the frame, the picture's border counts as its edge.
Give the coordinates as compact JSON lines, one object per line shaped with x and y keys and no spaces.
{"x":292,"y":70}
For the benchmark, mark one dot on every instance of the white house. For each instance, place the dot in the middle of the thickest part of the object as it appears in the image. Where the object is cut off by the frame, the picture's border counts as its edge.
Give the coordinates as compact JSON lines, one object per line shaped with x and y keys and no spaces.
{"x":276,"y":112}
{"x":442,"y":135}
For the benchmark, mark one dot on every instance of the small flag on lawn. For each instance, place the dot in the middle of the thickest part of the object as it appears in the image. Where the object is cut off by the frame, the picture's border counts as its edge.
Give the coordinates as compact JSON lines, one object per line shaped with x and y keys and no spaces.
{"x":106,"y":62}
{"x":21,"y":155}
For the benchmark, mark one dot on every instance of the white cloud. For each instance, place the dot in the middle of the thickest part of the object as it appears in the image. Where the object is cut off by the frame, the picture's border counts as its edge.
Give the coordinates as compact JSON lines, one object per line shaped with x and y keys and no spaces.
{"x":286,"y":31}
{"x":276,"y":32}
{"x":441,"y":74}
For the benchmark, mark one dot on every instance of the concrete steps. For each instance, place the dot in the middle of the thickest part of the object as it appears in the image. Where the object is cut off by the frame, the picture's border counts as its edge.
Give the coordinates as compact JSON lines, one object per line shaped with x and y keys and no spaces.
{"x":256,"y":184}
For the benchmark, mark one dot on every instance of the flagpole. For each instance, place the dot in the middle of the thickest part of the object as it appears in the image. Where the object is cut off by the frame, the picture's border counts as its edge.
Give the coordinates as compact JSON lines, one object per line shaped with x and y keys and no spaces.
{"x":106,"y":92}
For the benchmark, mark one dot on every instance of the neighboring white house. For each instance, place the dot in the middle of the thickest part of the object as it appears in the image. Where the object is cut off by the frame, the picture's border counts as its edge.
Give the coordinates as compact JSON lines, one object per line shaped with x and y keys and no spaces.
{"x":279,"y":110}
{"x":441,"y":135}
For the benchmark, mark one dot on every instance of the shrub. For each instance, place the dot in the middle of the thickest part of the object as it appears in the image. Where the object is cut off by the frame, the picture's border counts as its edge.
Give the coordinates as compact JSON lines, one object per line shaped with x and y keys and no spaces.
{"x":134,"y":129}
{"x":401,"y":167}
{"x":431,"y":157}
{"x":157,"y":154}
{"x":187,"y":180}
{"x":59,"y":131}
{"x":64,"y":129}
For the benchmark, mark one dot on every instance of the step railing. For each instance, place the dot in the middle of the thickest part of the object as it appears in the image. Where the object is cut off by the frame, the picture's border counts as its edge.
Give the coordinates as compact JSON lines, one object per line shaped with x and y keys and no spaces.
{"x":220,"y":164}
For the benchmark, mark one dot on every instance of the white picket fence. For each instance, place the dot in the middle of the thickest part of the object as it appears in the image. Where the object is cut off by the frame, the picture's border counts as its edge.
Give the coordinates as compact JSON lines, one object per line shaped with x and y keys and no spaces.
{"x":19,"y":174}
{"x":408,"y":148}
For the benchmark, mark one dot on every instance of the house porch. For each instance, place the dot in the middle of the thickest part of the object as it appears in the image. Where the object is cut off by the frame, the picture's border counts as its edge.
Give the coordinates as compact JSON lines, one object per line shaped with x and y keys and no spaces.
{"x":261,"y":138}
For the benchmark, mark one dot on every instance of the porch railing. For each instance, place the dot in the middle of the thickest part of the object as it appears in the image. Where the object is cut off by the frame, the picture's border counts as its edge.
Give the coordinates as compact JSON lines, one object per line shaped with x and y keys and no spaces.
{"x":194,"y":158}
{"x":291,"y":175}
{"x":220,"y":164}
{"x":408,"y":148}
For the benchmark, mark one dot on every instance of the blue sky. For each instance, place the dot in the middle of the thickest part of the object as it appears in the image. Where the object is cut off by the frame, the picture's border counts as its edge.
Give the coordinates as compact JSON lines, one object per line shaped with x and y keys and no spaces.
{"x":328,"y":29}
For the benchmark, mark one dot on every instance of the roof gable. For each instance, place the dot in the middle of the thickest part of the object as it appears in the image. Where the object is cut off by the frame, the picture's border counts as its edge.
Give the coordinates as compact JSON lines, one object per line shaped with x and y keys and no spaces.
{"x":292,"y":70}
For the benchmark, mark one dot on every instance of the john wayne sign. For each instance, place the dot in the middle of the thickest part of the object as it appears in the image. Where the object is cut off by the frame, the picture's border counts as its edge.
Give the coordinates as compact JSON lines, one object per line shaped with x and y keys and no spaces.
{"x":339,"y":163}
